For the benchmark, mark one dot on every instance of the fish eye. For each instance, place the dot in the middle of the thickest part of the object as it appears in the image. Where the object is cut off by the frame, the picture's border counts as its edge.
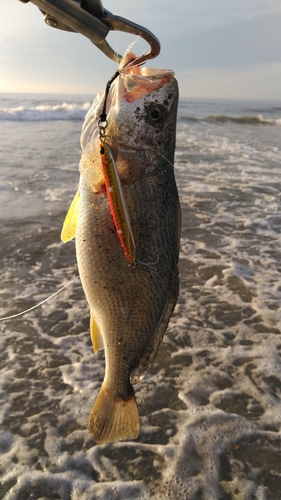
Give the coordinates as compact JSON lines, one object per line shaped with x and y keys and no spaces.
{"x":156,"y":114}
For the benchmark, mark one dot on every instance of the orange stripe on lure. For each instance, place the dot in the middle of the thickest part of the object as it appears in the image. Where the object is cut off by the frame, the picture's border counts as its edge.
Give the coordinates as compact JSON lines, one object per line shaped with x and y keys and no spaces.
{"x":117,"y":202}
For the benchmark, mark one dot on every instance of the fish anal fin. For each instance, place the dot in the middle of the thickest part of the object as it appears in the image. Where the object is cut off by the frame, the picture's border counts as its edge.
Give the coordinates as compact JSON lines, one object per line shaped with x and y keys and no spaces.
{"x":96,"y":336}
{"x":113,"y":418}
{"x":70,"y":222}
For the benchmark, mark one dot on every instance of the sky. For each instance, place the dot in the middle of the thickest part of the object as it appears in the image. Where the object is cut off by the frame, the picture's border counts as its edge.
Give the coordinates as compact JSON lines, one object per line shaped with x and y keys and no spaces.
{"x":217,"y":48}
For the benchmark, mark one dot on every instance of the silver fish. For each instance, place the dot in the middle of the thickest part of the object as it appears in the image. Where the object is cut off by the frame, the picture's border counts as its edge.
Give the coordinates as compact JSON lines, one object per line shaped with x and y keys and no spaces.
{"x":130,"y":304}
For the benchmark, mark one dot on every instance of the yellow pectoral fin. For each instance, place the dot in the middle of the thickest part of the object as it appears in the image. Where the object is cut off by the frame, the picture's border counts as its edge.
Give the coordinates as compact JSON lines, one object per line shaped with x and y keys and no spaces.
{"x":96,"y":336}
{"x":70,"y":223}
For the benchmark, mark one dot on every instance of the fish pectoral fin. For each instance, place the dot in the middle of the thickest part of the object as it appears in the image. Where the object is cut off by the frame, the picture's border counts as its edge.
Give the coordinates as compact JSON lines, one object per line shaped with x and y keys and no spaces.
{"x":96,"y":335}
{"x":70,"y":222}
{"x":114,"y":418}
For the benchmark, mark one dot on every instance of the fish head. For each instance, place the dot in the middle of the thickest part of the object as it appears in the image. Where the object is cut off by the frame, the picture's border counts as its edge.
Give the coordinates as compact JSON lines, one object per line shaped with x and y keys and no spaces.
{"x":141,"y":109}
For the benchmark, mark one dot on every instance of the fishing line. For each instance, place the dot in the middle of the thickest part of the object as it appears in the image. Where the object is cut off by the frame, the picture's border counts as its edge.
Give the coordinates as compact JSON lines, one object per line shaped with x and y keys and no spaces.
{"x":103,"y":115}
{"x":149,"y":265}
{"x":127,"y":145}
{"x":42,"y":302}
{"x":178,"y":180}
{"x":128,"y":50}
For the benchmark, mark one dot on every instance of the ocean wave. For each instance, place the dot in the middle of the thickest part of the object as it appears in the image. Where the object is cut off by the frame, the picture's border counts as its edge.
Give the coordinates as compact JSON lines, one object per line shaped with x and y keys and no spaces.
{"x":240,"y":120}
{"x":46,"y":112}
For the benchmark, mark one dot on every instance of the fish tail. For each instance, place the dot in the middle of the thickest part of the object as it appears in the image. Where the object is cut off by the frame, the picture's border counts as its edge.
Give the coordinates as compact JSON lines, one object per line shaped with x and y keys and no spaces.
{"x":113,"y":418}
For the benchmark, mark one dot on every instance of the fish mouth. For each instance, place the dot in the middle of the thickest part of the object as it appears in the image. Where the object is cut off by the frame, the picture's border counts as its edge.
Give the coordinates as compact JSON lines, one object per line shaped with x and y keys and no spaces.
{"x":136,"y":82}
{"x":133,"y":83}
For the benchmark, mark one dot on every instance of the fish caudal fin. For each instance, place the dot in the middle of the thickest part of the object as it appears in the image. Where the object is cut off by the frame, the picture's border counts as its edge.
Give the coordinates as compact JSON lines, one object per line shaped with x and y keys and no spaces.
{"x":113,"y":418}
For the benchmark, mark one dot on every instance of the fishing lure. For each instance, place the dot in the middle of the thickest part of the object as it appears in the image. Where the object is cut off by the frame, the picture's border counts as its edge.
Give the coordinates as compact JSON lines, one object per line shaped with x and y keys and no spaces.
{"x":117,"y":202}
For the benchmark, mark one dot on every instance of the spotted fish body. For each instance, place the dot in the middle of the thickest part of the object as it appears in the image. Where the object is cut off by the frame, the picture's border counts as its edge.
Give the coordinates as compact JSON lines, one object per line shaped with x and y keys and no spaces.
{"x":130,"y":304}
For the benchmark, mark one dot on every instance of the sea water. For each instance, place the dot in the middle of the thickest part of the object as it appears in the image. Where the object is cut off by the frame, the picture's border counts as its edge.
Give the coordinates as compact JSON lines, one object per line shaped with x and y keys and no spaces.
{"x":210,"y":408}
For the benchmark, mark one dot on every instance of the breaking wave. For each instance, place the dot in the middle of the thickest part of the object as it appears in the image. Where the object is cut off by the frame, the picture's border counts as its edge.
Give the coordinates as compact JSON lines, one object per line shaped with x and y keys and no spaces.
{"x":31,"y":110}
{"x":240,"y":120}
{"x":45,"y":112}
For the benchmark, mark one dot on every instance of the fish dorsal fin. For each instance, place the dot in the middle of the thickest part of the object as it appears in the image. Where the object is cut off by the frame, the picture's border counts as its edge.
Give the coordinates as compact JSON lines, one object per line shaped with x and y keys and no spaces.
{"x":96,"y":336}
{"x":149,"y":355}
{"x":70,"y":222}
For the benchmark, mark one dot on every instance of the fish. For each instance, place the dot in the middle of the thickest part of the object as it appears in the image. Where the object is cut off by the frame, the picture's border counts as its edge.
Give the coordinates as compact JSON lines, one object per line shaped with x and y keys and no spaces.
{"x":131,"y":288}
